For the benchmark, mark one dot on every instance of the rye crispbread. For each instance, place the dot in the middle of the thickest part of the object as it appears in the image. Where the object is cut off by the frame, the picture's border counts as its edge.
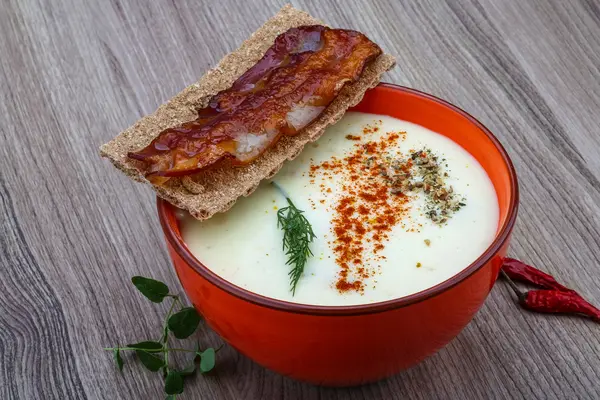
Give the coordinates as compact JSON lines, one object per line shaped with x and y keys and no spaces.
{"x":217,"y":190}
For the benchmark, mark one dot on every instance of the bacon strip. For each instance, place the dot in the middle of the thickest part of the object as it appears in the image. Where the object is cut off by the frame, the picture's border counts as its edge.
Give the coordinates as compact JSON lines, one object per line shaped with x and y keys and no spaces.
{"x":297,"y":78}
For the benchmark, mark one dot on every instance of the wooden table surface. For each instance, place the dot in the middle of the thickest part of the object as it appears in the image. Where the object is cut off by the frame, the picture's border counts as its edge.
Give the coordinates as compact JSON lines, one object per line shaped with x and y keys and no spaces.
{"x":74,"y":230}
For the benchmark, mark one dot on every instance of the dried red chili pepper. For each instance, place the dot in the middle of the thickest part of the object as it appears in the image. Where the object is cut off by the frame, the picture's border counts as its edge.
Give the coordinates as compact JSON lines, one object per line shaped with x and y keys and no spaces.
{"x":565,"y":301}
{"x":519,"y":271}
{"x":556,"y":301}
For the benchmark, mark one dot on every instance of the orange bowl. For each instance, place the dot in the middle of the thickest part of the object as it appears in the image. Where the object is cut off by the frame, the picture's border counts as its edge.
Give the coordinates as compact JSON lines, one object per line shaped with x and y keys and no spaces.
{"x":350,"y":345}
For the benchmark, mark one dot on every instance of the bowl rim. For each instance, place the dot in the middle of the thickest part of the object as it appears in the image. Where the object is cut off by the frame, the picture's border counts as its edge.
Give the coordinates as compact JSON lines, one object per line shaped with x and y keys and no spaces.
{"x":298,"y":308}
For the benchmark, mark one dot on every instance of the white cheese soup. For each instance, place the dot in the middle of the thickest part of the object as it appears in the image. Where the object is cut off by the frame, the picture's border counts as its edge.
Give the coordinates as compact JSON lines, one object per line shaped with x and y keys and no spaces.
{"x":395,"y":207}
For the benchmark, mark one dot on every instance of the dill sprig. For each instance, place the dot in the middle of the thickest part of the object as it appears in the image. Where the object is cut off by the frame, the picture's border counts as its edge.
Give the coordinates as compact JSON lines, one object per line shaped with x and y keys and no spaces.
{"x":297,"y":236}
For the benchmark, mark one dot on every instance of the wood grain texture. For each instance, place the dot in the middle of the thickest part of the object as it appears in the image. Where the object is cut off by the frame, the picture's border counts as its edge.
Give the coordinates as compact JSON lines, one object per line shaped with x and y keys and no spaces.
{"x":73,"y":230}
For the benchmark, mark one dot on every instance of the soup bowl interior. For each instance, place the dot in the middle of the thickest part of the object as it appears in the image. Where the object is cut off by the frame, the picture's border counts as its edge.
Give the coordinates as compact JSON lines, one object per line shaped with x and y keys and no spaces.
{"x":349,"y":345}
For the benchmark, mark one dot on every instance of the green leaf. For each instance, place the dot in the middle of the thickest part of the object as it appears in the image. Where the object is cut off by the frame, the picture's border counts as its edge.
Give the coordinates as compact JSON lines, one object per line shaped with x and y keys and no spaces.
{"x":171,"y":397}
{"x":173,"y":383}
{"x":184,"y":322}
{"x":207,"y":360}
{"x":118,"y":359}
{"x":154,"y":290}
{"x":150,"y":347}
{"x":150,"y":361}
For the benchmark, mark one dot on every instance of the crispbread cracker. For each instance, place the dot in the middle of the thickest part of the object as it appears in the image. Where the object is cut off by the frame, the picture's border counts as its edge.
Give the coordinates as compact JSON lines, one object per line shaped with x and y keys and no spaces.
{"x":216,"y":190}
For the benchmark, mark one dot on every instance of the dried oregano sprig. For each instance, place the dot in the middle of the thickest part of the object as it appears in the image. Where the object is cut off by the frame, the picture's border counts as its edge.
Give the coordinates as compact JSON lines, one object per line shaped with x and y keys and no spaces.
{"x":154,"y":355}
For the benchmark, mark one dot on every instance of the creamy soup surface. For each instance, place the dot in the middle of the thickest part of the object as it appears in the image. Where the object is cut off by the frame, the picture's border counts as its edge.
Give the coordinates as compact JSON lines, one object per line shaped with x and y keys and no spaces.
{"x":361,"y":254}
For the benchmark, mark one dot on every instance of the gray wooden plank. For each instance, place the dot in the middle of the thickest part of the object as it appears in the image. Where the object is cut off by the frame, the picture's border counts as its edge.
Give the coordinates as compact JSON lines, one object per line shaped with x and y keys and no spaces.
{"x":74,"y":230}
